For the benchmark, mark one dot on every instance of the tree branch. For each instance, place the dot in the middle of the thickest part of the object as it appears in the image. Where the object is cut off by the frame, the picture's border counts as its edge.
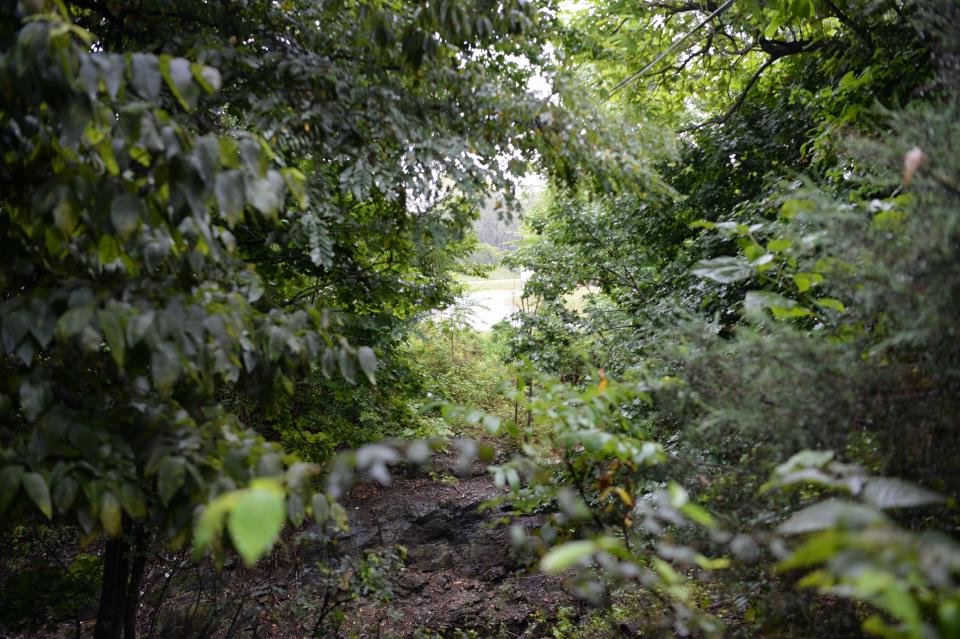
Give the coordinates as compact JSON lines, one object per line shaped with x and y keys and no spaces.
{"x":633,"y":76}
{"x":851,"y":24}
{"x":777,"y":49}
{"x":739,"y":102}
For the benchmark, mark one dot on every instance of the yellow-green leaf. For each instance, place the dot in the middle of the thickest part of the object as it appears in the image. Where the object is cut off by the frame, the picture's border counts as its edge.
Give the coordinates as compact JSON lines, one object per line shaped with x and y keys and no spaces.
{"x":805,"y":281}
{"x":831,"y":303}
{"x":111,"y":514}
{"x":37,"y":490}
{"x":567,"y":555}
{"x":255,"y":522}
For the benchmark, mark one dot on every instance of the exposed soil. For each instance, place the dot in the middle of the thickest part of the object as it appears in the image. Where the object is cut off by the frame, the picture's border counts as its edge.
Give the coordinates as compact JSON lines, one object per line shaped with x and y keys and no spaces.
{"x":460,"y":570}
{"x":459,"y":574}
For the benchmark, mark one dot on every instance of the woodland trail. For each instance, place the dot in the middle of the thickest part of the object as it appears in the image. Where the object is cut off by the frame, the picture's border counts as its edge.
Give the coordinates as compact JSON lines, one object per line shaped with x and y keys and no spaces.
{"x":460,"y":572}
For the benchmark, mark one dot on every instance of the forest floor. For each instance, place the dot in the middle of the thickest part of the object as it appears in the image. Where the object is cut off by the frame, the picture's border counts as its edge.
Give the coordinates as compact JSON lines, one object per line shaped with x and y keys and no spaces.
{"x":460,"y":572}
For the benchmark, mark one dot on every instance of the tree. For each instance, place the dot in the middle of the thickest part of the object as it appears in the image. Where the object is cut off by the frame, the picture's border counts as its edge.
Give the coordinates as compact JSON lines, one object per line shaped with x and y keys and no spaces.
{"x":126,"y":305}
{"x":790,"y":289}
{"x":186,"y":224}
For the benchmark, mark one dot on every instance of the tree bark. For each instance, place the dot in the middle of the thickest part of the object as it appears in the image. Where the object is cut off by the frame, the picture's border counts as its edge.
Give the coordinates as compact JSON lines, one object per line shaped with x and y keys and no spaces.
{"x":138,"y":565}
{"x":113,"y":592}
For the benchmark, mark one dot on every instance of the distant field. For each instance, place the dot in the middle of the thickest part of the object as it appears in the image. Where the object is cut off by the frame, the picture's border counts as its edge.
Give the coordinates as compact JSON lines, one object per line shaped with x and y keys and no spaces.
{"x":499,"y":273}
{"x":500,"y":279}
{"x":495,"y":284}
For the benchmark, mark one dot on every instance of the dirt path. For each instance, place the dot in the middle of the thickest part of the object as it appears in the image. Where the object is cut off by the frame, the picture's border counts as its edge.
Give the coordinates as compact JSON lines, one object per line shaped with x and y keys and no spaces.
{"x":460,"y":572}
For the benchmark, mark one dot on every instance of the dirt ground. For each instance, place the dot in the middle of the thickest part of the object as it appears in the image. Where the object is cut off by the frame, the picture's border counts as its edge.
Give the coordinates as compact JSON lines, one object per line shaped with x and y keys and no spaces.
{"x":457,"y":573}
{"x":460,"y":570}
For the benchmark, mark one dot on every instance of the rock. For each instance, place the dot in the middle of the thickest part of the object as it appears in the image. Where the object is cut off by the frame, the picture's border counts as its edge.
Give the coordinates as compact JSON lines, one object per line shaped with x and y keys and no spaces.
{"x":411,"y":581}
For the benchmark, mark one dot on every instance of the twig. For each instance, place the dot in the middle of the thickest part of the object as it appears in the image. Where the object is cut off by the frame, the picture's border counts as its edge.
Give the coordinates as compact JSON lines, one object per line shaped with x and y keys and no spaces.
{"x":739,"y":102}
{"x":633,"y":76}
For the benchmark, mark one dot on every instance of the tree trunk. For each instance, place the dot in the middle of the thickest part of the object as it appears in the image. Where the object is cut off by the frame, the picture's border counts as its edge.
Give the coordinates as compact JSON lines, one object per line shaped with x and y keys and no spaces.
{"x":113,"y":592}
{"x":138,"y":565}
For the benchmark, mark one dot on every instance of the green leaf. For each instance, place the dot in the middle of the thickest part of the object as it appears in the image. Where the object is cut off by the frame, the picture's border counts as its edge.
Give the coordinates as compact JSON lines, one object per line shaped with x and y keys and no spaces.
{"x":805,"y":459}
{"x":255,"y":522}
{"x":723,"y":269}
{"x":300,"y":472}
{"x":567,"y":555}
{"x":763,"y":260}
{"x":666,"y":571}
{"x":368,"y":362}
{"x":779,"y":245}
{"x":111,"y":515}
{"x":698,"y":514}
{"x":898,"y":601}
{"x":36,"y":488}
{"x":801,"y":9}
{"x":105,"y":151}
{"x":321,"y":508}
{"x":296,"y":181}
{"x":805,"y":281}
{"x":133,"y":500}
{"x":209,"y":526}
{"x":347,"y":366}
{"x":830,"y":514}
{"x":265,"y":194}
{"x":889,"y":220}
{"x":9,"y":484}
{"x":831,"y":303}
{"x":296,"y":510}
{"x":65,"y":493}
{"x":896,"y":493}
{"x":229,"y":192}
{"x":108,"y":251}
{"x":125,"y":214}
{"x":778,"y":21}
{"x":44,"y":324}
{"x":207,"y":77}
{"x":782,"y":313}
{"x":948,"y":615}
{"x":719,"y":563}
{"x":33,"y":400}
{"x":756,"y":301}
{"x":816,"y":550}
{"x":179,"y":78}
{"x":792,"y":208}
{"x":16,"y":325}
{"x":75,"y":320}
{"x":145,"y":75}
{"x":678,"y":495}
{"x":339,"y":517}
{"x":170,"y":476}
{"x":165,"y":367}
{"x":113,"y":334}
{"x":491,"y":423}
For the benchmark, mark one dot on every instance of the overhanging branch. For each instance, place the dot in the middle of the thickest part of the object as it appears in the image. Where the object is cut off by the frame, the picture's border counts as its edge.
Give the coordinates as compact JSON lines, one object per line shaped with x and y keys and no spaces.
{"x":633,"y":76}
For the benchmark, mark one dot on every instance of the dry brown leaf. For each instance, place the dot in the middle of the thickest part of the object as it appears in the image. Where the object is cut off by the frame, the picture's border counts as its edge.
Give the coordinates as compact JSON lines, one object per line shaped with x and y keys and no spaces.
{"x":912,"y":161}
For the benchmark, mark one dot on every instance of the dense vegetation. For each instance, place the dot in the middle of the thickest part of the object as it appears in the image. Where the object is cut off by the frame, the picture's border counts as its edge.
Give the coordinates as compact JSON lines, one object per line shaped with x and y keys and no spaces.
{"x":730,"y":394}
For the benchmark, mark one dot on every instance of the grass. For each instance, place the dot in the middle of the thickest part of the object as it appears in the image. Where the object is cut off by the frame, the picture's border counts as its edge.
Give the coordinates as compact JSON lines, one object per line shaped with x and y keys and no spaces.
{"x":495,"y":285}
{"x":577,"y":300}
{"x":500,"y":279}
{"x":499,"y":273}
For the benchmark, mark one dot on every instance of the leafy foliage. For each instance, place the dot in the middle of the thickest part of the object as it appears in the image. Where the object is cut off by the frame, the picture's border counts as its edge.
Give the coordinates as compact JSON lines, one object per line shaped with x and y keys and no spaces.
{"x":761,"y":312}
{"x":221,"y":248}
